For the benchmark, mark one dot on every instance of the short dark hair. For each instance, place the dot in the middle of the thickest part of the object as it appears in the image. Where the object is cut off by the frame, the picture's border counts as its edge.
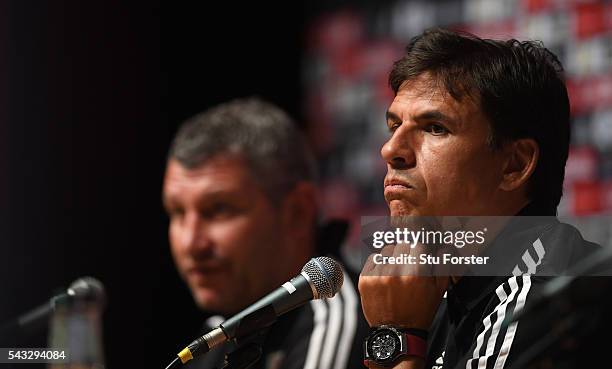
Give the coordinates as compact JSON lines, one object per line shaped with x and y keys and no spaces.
{"x":518,"y":85}
{"x":254,"y":130}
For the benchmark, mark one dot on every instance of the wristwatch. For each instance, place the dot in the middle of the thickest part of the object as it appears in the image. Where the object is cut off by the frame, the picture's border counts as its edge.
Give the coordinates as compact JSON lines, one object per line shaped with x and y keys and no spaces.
{"x":386,"y":344}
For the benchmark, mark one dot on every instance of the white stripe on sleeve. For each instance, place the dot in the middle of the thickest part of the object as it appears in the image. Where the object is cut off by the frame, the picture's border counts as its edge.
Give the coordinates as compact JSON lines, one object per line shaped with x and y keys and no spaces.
{"x":318,"y":333}
{"x":333,"y":331}
{"x":507,"y":344}
{"x":501,"y":315}
{"x":351,"y":305}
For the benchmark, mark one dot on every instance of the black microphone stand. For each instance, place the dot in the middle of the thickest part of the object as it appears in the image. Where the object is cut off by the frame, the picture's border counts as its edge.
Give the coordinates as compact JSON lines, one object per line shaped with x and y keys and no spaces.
{"x":250,"y":334}
{"x":249,"y":351}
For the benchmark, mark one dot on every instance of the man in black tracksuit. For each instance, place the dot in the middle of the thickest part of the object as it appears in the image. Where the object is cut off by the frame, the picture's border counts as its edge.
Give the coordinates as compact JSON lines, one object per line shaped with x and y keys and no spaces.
{"x":477,"y":127}
{"x":240,"y":193}
{"x":473,"y":326}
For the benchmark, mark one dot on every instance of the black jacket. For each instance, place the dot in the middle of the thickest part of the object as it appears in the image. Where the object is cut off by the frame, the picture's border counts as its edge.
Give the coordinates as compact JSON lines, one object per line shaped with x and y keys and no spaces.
{"x":473,"y":326}
{"x":322,"y":334}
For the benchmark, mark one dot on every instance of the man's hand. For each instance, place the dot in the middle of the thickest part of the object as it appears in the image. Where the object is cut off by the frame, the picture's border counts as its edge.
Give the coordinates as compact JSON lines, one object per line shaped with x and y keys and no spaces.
{"x":400,"y":295}
{"x":401,"y":301}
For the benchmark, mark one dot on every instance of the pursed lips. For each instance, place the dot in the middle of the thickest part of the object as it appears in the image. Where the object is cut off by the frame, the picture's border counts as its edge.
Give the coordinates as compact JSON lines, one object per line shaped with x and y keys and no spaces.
{"x":396,"y":189}
{"x":202,"y":270}
{"x":398,"y":184}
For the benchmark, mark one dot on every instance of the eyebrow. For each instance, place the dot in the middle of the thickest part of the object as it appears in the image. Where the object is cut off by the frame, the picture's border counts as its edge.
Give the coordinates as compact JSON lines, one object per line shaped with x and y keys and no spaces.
{"x":426,"y":115}
{"x":434,"y":115}
{"x":392,"y":116}
{"x":167,"y":201}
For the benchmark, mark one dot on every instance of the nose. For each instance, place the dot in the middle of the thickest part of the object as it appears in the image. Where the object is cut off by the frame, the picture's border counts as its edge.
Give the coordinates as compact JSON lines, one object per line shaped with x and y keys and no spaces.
{"x":193,"y":235}
{"x":398,"y":151}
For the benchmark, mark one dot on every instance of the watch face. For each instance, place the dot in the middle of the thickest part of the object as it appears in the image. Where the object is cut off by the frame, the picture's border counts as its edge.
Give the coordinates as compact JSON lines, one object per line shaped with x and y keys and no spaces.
{"x":383,"y":345}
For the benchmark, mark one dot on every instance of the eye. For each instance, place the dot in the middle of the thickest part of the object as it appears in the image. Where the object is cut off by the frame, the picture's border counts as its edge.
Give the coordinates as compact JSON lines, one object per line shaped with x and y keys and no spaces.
{"x":436,"y":129}
{"x":393,"y":126}
{"x":176,"y":212}
{"x":220,"y":210}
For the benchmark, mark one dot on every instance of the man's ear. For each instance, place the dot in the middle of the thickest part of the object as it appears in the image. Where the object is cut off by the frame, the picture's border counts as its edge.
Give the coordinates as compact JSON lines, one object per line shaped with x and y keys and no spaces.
{"x":300,"y":210}
{"x":523,"y":156}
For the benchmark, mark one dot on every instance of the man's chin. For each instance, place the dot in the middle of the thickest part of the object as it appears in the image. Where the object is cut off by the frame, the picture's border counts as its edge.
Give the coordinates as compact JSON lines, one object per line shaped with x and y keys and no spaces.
{"x":400,"y":208}
{"x":209,"y":301}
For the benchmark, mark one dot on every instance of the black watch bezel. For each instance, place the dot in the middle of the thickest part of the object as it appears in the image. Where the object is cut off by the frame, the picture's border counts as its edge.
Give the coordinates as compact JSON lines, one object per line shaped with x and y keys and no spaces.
{"x":400,"y":345}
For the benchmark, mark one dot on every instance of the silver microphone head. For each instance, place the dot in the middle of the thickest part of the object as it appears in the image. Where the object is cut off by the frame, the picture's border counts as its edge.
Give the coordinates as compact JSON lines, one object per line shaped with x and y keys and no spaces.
{"x":325,"y":276}
{"x":88,"y":288}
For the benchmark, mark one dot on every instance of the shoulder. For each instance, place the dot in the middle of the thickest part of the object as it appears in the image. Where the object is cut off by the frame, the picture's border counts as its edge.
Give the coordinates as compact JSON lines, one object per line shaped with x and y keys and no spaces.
{"x":553,"y":250}
{"x":324,"y":333}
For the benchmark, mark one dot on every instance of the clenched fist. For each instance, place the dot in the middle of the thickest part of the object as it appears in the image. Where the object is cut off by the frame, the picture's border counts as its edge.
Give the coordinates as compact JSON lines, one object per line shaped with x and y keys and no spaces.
{"x":400,"y":295}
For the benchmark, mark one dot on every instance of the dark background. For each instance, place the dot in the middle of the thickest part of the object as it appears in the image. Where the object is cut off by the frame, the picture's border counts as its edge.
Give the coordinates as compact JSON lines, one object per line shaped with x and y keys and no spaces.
{"x":92,"y":93}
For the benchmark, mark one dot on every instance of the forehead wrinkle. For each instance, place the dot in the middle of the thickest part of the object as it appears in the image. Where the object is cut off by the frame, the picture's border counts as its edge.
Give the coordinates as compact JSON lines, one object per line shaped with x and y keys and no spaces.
{"x":437,"y":98}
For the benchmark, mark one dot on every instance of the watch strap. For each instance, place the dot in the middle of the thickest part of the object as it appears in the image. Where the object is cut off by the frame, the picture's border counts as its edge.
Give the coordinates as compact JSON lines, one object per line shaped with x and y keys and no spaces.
{"x":415,"y":332}
{"x":415,"y":345}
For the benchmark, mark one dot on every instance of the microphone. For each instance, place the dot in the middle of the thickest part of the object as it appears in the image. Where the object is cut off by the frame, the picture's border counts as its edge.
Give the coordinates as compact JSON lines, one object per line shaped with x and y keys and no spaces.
{"x":321,"y":278}
{"x":85,"y":288}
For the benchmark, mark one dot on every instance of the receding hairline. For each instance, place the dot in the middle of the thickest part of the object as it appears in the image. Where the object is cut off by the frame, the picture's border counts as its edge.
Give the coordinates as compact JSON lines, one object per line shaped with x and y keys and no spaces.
{"x":217,"y":159}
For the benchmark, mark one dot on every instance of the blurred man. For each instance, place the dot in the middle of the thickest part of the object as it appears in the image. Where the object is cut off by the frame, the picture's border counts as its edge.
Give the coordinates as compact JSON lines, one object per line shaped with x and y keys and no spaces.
{"x":239,"y":190}
{"x":477,"y":128}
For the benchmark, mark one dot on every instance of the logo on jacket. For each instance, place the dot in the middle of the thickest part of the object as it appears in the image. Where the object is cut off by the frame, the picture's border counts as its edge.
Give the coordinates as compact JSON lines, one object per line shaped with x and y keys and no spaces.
{"x":439,"y":362}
